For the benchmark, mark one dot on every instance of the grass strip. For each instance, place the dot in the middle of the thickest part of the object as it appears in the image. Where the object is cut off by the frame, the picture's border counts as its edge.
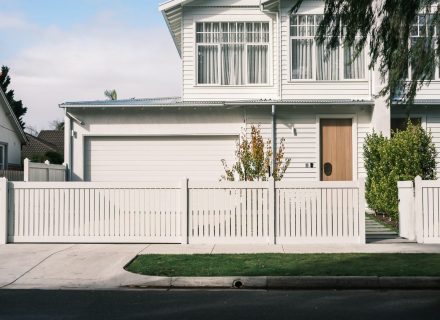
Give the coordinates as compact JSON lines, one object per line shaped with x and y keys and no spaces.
{"x":356,"y":264}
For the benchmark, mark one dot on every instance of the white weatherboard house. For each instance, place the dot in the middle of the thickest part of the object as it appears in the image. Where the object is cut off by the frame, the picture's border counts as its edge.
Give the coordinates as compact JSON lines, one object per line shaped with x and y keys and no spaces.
{"x":12,"y":136}
{"x":244,"y":62}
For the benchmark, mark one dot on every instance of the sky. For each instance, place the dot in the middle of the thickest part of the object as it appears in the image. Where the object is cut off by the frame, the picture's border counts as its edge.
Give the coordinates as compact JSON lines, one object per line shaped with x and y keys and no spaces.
{"x":73,"y":50}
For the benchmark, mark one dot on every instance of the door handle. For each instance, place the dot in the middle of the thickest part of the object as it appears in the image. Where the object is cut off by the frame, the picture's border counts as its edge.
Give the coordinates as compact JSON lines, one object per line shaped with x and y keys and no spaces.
{"x":328,"y":169}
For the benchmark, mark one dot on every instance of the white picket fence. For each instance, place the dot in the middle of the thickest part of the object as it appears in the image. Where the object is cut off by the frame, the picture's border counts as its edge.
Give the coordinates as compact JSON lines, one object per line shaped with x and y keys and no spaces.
{"x":183,"y":212}
{"x":43,"y":171}
{"x":419,"y":209}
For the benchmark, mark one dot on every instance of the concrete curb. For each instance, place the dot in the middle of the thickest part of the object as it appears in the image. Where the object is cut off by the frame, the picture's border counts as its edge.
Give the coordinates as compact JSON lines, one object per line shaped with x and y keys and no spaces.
{"x":292,"y":283}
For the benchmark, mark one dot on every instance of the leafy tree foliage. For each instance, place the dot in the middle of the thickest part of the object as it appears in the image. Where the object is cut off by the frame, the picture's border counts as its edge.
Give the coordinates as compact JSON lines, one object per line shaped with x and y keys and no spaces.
{"x":17,"y":106}
{"x":111,"y":94}
{"x":385,"y":27}
{"x":57,"y":125}
{"x":253,"y":159}
{"x":407,"y":154}
{"x":52,"y":156}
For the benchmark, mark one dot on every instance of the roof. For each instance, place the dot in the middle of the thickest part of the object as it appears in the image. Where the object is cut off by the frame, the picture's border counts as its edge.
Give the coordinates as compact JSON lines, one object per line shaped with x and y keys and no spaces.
{"x":54,"y":137}
{"x":425,"y":102}
{"x":36,"y":146}
{"x":178,"y":102}
{"x":14,"y":121}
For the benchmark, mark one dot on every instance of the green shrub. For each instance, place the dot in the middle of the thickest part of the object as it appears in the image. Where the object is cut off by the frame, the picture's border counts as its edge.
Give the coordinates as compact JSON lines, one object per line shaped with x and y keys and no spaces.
{"x":52,"y":156}
{"x":404,"y":156}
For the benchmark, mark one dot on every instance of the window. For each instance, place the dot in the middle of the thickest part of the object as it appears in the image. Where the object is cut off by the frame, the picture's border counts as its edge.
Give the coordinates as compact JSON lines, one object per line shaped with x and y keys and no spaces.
{"x":402,"y":123}
{"x":232,"y":53}
{"x":311,"y":61}
{"x":422,"y":27}
{"x":2,"y":157}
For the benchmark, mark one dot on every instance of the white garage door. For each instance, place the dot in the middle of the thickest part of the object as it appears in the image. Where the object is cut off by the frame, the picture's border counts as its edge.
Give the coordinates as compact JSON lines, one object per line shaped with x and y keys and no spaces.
{"x":157,"y":158}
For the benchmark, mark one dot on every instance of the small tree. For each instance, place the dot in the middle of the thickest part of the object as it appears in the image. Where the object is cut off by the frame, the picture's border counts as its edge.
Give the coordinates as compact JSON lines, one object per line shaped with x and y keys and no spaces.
{"x":254,"y":157}
{"x":16,"y":105}
{"x":111,"y":94}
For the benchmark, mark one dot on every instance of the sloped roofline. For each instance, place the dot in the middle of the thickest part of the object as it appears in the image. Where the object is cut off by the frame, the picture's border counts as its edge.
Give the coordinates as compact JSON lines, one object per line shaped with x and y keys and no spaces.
{"x":172,"y":13}
{"x":172,"y":3}
{"x":9,"y":113}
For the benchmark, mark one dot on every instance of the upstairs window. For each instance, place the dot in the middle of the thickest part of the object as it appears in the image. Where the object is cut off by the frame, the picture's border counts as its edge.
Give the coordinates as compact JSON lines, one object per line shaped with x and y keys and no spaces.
{"x":232,"y":53}
{"x":421,"y":28}
{"x":310,"y":61}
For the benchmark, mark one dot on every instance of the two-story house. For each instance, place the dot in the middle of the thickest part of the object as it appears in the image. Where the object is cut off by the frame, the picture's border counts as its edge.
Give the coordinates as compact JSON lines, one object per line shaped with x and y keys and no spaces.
{"x":244,"y":62}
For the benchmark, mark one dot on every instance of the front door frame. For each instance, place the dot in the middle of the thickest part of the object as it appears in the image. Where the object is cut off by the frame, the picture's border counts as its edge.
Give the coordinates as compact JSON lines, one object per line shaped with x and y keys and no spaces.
{"x":354,"y":137}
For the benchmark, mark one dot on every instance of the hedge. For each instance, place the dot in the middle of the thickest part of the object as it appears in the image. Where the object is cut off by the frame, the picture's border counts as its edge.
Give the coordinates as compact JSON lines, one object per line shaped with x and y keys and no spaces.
{"x":402,"y":157}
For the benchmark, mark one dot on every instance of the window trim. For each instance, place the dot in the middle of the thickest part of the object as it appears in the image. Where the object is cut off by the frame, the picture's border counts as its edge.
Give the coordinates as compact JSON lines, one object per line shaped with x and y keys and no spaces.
{"x":314,"y":57}
{"x":436,"y":30}
{"x":3,"y":150}
{"x":269,"y":45}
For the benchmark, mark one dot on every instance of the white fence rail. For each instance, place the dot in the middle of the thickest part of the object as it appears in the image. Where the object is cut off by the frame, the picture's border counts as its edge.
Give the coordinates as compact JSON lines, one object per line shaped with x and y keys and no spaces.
{"x":44,"y":171}
{"x":419,"y":209}
{"x":184,"y":212}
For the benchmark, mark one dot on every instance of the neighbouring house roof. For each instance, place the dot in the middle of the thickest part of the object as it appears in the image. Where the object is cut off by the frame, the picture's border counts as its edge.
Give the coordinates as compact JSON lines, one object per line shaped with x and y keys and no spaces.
{"x":54,"y":137}
{"x":178,"y":102}
{"x":10,"y":114}
{"x":37,"y":146}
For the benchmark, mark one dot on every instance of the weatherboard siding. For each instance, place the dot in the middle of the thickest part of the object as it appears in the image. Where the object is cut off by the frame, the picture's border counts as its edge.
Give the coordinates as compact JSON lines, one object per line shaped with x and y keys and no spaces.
{"x":299,"y":126}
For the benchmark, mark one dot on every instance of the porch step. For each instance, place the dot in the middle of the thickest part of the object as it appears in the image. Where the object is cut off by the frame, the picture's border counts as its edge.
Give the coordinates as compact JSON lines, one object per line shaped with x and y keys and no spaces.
{"x":378,"y":233}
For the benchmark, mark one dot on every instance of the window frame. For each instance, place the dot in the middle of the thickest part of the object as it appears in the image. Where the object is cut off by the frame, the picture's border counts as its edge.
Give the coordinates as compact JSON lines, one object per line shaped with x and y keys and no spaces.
{"x":245,"y":59}
{"x":418,"y":26}
{"x":3,"y":165}
{"x":341,"y":71}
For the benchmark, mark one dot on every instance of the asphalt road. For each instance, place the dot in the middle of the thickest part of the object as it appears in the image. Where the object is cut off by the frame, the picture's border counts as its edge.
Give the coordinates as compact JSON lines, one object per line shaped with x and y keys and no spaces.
{"x":211,"y":305}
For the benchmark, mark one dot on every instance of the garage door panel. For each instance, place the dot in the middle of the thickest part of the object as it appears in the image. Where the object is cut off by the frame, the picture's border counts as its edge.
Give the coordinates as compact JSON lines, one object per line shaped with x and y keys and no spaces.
{"x":157,"y":158}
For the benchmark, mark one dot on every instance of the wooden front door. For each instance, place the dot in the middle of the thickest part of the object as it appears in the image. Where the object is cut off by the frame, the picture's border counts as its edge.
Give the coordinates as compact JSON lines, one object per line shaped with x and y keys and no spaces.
{"x":336,"y":150}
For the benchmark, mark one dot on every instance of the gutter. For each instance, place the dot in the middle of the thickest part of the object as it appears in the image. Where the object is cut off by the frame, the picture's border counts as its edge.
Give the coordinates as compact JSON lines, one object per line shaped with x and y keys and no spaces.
{"x":207,"y":104}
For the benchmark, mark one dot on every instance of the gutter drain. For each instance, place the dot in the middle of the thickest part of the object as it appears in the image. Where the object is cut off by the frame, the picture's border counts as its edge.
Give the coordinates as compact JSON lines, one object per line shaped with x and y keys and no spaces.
{"x":237,"y":284}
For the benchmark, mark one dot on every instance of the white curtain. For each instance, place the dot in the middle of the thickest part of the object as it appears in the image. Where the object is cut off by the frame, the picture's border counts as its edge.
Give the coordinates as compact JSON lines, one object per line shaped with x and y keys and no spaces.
{"x":353,"y":69}
{"x":232,"y":58}
{"x":257,"y":64}
{"x":302,"y":58}
{"x":327,"y":64}
{"x":208,"y":64}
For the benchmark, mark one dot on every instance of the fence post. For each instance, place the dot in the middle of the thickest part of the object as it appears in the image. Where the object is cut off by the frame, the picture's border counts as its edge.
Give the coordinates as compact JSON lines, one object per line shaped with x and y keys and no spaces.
{"x":184,"y":210}
{"x":272,"y":210}
{"x":3,"y":211}
{"x":362,"y":235}
{"x":407,"y":223}
{"x":65,"y":171}
{"x":26,"y":170}
{"x":47,"y":162}
{"x":418,"y":204}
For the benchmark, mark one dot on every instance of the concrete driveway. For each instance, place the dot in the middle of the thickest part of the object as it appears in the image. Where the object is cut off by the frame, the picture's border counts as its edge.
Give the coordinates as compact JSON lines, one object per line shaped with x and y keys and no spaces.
{"x":59,"y":266}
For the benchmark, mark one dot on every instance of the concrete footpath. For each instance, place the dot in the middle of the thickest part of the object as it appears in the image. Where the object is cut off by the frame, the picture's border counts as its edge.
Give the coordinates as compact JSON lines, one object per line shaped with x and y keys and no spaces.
{"x":101,"y":266}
